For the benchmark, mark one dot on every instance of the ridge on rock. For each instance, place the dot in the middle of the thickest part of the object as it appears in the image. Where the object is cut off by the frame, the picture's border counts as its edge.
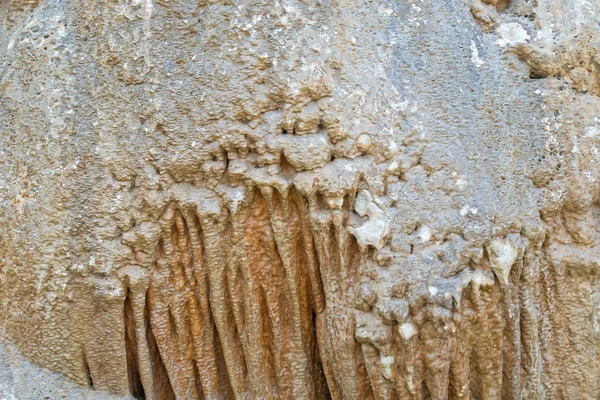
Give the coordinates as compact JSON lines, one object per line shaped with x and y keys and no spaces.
{"x":299,"y":199}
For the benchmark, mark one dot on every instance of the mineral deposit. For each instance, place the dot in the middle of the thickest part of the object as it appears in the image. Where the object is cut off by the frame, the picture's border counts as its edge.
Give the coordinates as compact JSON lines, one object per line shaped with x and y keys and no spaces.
{"x":300,"y":199}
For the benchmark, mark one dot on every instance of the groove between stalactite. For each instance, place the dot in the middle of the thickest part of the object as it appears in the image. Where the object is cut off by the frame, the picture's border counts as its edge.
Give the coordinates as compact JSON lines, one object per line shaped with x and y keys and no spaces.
{"x":88,"y":373}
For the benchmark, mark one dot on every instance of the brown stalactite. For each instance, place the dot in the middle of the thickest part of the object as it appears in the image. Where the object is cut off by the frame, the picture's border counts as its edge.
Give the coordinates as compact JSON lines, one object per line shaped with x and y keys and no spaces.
{"x":265,"y":292}
{"x":136,"y":387}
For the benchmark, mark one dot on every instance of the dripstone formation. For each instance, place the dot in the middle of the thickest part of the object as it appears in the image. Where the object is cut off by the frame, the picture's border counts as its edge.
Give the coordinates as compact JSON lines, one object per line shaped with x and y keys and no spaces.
{"x":299,"y":199}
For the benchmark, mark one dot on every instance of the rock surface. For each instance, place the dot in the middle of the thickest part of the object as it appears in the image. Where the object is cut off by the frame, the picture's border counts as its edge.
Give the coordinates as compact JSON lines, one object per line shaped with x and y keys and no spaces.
{"x":19,"y":379}
{"x":259,"y":199}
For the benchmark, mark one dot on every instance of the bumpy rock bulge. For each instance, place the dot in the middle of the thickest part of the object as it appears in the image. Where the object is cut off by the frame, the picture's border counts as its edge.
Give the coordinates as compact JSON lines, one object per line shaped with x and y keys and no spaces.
{"x":308,"y":199}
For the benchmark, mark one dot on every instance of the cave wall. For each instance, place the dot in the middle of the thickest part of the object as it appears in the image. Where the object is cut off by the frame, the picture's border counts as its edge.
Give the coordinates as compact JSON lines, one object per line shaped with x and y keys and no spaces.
{"x":303,"y":198}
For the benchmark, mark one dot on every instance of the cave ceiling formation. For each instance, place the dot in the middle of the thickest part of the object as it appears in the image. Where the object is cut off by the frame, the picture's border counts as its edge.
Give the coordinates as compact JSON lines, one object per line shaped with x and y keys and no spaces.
{"x":300,"y":199}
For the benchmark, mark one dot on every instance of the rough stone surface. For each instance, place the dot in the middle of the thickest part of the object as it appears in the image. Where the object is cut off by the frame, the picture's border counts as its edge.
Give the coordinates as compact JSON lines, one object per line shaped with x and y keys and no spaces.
{"x":312,"y":199}
{"x":19,"y":379}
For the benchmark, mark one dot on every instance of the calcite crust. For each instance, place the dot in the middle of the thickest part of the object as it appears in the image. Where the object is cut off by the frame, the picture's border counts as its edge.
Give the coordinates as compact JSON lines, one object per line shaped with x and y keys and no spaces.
{"x":299,"y":199}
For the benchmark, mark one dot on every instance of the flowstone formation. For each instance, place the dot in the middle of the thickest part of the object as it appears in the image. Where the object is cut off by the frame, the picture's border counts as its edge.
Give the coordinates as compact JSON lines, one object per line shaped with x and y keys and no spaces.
{"x":300,"y":199}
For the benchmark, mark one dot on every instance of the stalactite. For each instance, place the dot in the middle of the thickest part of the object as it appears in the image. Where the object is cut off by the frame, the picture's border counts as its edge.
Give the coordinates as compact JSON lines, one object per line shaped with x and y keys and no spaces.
{"x":270,"y":295}
{"x":161,"y":386}
{"x":261,"y":339}
{"x":531,"y":361}
{"x":136,"y":387}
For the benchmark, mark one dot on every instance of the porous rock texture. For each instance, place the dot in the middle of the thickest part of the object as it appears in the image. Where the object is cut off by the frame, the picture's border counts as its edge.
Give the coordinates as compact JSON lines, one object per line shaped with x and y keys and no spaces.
{"x":301,"y":199}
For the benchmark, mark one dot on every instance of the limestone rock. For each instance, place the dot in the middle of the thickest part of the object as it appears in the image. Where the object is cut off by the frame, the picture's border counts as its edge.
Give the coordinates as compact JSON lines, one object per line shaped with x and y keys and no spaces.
{"x":281,"y":199}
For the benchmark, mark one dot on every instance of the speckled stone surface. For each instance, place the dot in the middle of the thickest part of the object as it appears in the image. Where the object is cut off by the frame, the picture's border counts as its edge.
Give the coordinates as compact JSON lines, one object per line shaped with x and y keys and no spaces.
{"x":299,"y":199}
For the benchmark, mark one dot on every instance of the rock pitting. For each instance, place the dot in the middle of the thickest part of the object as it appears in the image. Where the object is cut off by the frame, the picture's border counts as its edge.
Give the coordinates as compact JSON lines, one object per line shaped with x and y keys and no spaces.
{"x":300,"y":199}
